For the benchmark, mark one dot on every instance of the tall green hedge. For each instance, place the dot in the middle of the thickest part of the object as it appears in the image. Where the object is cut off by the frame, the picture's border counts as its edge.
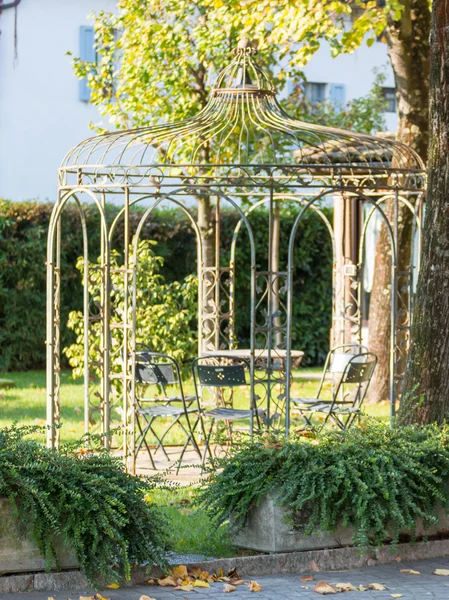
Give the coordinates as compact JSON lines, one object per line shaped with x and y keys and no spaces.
{"x":23,"y":232}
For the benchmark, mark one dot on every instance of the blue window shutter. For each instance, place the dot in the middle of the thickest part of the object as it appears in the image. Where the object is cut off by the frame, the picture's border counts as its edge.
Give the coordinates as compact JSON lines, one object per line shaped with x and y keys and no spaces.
{"x":337,"y":94}
{"x":87,"y":54}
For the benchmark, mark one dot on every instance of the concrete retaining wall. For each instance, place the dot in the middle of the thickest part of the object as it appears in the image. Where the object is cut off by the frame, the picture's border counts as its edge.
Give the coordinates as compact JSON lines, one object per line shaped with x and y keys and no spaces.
{"x":267,"y":531}
{"x":19,"y":554}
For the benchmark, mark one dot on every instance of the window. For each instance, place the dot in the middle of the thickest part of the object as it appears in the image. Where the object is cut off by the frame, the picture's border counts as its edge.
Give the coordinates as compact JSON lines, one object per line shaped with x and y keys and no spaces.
{"x":315,"y":92}
{"x":389,"y":95}
{"x":87,"y":54}
{"x":337,"y":95}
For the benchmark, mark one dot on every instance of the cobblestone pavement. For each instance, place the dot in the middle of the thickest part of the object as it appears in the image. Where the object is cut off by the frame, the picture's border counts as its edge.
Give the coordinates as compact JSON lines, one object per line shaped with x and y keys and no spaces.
{"x":411,"y":587}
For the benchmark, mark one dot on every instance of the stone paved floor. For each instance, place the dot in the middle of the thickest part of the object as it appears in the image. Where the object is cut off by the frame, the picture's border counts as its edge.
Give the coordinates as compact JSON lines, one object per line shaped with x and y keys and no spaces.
{"x":412,"y":587}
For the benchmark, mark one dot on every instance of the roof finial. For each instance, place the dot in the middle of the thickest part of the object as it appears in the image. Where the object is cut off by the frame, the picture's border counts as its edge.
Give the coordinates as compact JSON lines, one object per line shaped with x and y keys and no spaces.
{"x":245,"y":46}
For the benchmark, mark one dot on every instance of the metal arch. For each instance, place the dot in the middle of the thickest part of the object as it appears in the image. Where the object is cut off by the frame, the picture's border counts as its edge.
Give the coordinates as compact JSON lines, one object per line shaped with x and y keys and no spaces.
{"x":290,"y":284}
{"x":297,"y":200}
{"x":52,"y":437}
{"x":129,"y":449}
{"x":392,"y":236}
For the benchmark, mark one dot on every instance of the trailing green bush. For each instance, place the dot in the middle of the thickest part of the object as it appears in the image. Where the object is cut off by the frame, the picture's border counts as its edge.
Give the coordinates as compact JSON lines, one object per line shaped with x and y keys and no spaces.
{"x":23,"y":239}
{"x":376,"y":479}
{"x":87,"y":498}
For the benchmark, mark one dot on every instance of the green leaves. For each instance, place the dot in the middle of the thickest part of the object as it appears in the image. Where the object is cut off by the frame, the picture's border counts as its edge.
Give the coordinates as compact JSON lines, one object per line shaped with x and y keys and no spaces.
{"x":87,"y":498}
{"x":157,"y":59}
{"x":166,"y":311}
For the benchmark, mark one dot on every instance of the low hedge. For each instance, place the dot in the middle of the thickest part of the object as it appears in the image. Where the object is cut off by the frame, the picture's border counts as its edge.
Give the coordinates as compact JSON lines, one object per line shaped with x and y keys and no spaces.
{"x":87,"y":498}
{"x":373,"y":478}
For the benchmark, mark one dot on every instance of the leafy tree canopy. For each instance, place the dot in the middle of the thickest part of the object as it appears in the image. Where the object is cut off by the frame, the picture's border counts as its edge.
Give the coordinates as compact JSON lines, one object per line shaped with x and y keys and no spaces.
{"x":158,"y":58}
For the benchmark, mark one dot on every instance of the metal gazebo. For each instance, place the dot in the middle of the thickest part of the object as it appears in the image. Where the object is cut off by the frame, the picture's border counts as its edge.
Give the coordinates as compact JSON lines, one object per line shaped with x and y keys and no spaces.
{"x":242,"y":145}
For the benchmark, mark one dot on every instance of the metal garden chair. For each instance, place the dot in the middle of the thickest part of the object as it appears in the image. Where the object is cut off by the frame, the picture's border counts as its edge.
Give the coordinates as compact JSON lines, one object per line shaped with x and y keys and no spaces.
{"x":156,"y":375}
{"x":350,"y":367}
{"x":207,"y":375}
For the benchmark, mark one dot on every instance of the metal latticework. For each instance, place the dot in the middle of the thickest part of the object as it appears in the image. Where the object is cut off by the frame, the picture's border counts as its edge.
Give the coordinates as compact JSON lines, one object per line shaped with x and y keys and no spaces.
{"x":241,"y":146}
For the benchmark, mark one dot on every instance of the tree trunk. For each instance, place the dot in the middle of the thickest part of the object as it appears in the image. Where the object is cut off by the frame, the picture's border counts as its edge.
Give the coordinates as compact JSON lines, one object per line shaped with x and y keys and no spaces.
{"x":427,"y":375}
{"x":409,"y":54}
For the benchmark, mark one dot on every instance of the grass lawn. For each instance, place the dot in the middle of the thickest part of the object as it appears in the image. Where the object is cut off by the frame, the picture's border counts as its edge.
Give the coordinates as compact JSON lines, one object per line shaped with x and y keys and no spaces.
{"x":25,"y":403}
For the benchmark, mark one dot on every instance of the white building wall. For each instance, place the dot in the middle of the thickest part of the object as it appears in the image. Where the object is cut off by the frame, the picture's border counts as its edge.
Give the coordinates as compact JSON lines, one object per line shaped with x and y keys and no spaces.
{"x":41,"y":115}
{"x":355,"y":71}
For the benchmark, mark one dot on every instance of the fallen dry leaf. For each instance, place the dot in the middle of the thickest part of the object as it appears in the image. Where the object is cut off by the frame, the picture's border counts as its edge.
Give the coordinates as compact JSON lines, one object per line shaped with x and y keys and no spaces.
{"x":237,"y":582}
{"x":146,"y":598}
{"x":100,"y":597}
{"x":376,"y":586}
{"x":195,"y":572}
{"x":204,"y":575}
{"x":442,"y":572}
{"x":396,"y":595}
{"x":313,"y":566}
{"x":227,"y":588}
{"x":322,"y":587}
{"x":200,"y":583}
{"x":166,"y":581}
{"x":345,"y":587}
{"x":361,"y":588}
{"x":113,"y":586}
{"x":185,"y":588}
{"x":410,"y":572}
{"x":151,"y":582}
{"x":253,"y":586}
{"x":232,"y":574}
{"x":306,"y":578}
{"x":180,"y":572}
{"x":87,"y":597}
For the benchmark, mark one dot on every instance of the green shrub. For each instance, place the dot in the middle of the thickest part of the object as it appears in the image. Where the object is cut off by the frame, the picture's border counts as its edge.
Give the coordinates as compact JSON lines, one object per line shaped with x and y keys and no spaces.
{"x":376,"y":479}
{"x":166,"y":312}
{"x":85,"y":497}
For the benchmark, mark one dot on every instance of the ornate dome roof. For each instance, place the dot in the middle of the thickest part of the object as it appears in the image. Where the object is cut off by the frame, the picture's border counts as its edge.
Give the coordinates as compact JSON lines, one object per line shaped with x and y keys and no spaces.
{"x":242,"y":126}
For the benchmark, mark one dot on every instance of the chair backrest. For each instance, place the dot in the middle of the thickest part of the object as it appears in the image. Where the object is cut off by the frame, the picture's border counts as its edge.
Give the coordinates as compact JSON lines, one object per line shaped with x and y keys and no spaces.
{"x":218,"y":371}
{"x":150,"y":370}
{"x":355,"y":379}
{"x":159,"y":370}
{"x":221,"y":375}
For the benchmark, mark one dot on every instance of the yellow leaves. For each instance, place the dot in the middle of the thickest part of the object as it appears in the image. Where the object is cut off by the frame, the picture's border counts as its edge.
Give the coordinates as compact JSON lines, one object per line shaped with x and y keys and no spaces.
{"x":100,"y":597}
{"x":411,"y":572}
{"x":396,"y":595}
{"x":180,"y":572}
{"x":441,"y":572}
{"x":201,"y":583}
{"x":253,"y":586}
{"x":113,"y":586}
{"x":322,"y":587}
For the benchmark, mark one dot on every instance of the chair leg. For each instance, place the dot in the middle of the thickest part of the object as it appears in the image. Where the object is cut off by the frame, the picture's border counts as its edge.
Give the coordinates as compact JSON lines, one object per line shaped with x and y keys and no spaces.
{"x":143,"y":440}
{"x":207,"y":446}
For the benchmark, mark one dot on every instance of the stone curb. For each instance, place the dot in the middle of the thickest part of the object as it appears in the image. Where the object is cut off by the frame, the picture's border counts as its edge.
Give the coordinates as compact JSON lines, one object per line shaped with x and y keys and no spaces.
{"x":336,"y":559}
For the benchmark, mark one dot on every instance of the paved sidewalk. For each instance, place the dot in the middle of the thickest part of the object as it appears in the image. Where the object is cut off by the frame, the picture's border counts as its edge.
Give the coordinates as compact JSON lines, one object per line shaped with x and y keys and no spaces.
{"x":412,"y":587}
